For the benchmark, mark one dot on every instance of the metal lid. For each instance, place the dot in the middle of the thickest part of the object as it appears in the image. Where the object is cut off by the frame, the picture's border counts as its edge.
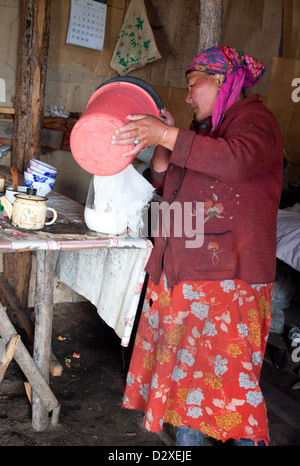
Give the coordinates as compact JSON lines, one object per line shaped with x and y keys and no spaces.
{"x":30,"y":197}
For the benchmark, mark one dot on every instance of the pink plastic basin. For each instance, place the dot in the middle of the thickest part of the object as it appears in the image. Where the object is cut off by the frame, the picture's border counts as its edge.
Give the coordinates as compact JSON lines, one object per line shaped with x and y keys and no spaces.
{"x":107,"y":110}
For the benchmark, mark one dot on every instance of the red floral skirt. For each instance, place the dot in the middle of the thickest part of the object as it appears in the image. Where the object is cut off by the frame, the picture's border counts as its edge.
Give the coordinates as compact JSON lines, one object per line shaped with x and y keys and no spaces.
{"x":197,"y":358}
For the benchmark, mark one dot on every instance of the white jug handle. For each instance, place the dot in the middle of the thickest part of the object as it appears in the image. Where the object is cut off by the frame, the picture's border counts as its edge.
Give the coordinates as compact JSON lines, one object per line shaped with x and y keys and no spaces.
{"x":54,"y":216}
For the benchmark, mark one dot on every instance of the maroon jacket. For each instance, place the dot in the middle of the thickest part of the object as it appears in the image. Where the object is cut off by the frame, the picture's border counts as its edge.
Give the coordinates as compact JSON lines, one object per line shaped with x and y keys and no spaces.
{"x":237,"y":174}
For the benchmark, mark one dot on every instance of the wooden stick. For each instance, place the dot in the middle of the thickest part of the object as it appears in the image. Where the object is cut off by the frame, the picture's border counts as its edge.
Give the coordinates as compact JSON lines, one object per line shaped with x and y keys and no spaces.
{"x":27,"y":365}
{"x":55,"y":416}
{"x":24,"y":318}
{"x":13,"y":302}
{"x":28,"y":391}
{"x":10,"y":350}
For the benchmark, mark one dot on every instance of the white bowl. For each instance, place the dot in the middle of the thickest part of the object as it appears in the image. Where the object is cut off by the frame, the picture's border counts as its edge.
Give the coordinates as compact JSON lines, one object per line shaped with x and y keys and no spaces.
{"x":33,"y":177}
{"x":42,"y":165}
{"x":38,"y":171}
{"x":43,"y":186}
{"x":10,"y":194}
{"x":42,"y":189}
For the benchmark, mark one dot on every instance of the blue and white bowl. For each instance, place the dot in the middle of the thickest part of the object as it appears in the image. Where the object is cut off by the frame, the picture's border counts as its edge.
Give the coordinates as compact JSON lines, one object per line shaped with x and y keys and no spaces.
{"x":43,"y":184}
{"x":42,"y":189}
{"x":43,"y":167}
{"x":39,"y":172}
{"x":38,"y":178}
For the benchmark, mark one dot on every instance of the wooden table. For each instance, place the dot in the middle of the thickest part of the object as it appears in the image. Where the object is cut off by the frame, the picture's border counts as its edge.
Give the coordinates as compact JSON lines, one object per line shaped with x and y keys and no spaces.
{"x":69,"y":233}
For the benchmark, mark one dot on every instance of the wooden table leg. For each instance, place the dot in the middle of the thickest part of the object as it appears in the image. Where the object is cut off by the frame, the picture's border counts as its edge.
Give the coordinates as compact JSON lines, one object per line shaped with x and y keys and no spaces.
{"x":43,"y":330}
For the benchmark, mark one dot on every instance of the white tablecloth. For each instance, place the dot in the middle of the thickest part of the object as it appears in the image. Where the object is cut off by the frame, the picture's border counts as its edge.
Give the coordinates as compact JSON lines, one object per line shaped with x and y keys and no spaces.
{"x":111,"y":279}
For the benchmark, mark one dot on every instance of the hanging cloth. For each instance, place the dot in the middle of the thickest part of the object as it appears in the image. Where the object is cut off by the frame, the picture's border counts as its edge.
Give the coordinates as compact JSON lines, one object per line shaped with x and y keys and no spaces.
{"x":136,"y":46}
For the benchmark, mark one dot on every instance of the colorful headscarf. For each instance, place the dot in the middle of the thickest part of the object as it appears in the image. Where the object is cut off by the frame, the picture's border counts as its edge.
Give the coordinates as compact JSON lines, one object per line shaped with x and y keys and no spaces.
{"x":240,"y":70}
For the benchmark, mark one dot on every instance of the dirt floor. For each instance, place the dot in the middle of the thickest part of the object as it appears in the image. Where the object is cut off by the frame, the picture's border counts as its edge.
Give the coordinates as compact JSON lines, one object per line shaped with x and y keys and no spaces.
{"x":90,"y":392}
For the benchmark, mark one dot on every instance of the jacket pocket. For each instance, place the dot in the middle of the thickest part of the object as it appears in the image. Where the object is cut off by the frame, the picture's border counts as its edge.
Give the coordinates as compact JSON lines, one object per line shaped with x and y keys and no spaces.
{"x":216,"y":253}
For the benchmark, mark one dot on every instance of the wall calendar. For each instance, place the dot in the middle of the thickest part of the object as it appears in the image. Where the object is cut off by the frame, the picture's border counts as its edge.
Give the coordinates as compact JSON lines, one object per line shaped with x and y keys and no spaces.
{"x":87,"y":23}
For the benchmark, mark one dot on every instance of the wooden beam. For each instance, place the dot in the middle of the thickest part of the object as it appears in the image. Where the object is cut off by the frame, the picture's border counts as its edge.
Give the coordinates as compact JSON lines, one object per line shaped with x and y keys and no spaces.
{"x":31,"y":79}
{"x":211,"y":18}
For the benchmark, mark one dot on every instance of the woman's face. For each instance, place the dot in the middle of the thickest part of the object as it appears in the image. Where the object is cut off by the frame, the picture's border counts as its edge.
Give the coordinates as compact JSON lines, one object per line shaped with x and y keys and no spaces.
{"x":203,"y":91}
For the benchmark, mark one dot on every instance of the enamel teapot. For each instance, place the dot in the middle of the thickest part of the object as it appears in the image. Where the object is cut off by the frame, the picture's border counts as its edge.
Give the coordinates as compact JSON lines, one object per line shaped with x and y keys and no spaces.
{"x":28,"y":211}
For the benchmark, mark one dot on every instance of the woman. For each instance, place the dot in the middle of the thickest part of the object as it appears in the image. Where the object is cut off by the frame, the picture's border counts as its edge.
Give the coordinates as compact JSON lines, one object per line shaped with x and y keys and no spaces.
{"x":205,"y":321}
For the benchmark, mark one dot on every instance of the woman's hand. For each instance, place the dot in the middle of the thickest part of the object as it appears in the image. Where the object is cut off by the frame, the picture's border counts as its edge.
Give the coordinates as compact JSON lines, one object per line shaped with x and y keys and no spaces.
{"x":142,"y":131}
{"x":166,"y":117}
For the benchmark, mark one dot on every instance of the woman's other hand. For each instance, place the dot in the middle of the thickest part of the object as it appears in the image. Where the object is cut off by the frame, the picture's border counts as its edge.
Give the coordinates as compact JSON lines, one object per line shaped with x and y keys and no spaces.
{"x":166,"y":117}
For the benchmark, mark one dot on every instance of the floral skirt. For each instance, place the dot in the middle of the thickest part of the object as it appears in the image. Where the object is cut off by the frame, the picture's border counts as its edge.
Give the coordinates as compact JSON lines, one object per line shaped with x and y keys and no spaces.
{"x":197,"y":358}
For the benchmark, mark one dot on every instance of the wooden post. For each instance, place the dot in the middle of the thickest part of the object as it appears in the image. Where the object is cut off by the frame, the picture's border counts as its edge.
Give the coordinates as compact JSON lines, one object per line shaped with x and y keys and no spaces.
{"x":43,"y":330}
{"x":211,"y":17}
{"x":31,"y":78}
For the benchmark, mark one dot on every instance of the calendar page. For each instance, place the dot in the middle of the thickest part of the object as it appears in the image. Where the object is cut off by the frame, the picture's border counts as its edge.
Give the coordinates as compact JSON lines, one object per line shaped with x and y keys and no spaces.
{"x":87,"y":23}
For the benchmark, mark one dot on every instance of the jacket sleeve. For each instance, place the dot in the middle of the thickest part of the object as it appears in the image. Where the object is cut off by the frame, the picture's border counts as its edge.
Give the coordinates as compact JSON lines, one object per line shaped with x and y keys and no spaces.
{"x":157,"y":179}
{"x":251,"y":143}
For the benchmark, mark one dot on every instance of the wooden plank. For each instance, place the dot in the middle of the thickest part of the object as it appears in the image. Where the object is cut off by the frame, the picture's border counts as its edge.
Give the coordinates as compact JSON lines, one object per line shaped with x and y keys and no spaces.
{"x":6,"y":117}
{"x":5,"y":141}
{"x":16,"y":270}
{"x":7,"y":110}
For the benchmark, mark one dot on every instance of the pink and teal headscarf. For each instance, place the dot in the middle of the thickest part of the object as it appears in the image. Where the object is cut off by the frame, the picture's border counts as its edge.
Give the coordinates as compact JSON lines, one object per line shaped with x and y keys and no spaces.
{"x":240,"y":70}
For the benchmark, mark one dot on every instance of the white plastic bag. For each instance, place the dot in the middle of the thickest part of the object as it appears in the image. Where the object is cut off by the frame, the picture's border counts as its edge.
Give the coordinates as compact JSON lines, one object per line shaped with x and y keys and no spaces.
{"x":119,"y":202}
{"x":136,"y":46}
